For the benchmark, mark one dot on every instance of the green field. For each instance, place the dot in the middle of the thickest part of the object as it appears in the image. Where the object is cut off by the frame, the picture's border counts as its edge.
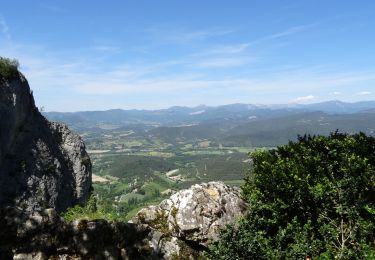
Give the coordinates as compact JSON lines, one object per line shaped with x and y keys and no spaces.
{"x":143,"y":171}
{"x":145,"y":157}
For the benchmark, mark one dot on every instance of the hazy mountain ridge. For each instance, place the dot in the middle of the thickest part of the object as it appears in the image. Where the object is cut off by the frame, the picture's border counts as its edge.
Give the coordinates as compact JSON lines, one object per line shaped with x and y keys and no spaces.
{"x":176,"y":115}
{"x":271,"y":131}
{"x":229,"y":125}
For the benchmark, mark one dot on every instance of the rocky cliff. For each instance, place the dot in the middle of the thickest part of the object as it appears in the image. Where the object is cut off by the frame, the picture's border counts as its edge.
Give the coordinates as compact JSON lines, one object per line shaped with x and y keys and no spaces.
{"x":42,"y":164}
{"x":183,"y":225}
{"x":44,"y":169}
{"x":178,"y":228}
{"x":44,"y":235}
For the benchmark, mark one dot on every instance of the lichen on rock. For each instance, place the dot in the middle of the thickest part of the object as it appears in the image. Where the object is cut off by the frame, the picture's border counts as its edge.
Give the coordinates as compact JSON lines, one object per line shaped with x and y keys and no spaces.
{"x":190,"y":219}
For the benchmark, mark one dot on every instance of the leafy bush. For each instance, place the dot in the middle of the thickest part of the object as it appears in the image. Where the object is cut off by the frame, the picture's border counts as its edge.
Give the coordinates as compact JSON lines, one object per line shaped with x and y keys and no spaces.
{"x":8,"y":68}
{"x":314,"y":197}
{"x":94,"y":209}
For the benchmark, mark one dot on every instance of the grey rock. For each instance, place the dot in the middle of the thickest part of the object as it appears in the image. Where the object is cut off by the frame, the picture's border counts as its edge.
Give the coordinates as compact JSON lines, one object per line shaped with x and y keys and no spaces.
{"x":189,"y":220}
{"x":30,"y":256}
{"x":42,"y":164}
{"x":44,"y":169}
{"x":50,"y":237}
{"x":178,"y":228}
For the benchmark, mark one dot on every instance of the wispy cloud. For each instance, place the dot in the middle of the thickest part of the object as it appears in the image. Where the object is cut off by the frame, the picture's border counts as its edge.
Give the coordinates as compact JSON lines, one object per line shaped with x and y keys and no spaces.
{"x":87,"y":78}
{"x":240,"y":54}
{"x":223,"y":62}
{"x":290,"y":31}
{"x":363,"y":93}
{"x":304,"y":99}
{"x":5,"y":29}
{"x":221,"y":56}
{"x":204,"y":74}
{"x":228,"y":49}
{"x":183,"y":36}
{"x":106,"y":48}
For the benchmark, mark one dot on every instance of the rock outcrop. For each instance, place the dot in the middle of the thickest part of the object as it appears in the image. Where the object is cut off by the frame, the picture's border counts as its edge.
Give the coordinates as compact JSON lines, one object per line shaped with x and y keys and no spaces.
{"x":183,"y":225}
{"x":44,"y":169}
{"x":44,"y":235}
{"x":178,"y":228}
{"x":42,"y":164}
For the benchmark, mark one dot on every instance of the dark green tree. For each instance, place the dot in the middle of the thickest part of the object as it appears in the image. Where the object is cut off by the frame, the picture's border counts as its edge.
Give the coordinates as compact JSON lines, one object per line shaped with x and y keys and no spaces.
{"x":314,"y":197}
{"x":8,"y":68}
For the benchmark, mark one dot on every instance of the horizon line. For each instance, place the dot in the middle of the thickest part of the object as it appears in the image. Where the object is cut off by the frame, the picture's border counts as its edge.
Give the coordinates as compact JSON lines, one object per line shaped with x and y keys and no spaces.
{"x":269,"y":106}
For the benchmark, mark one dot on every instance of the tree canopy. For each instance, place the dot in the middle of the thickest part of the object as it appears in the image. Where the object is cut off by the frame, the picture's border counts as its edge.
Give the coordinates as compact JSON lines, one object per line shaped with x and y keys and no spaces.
{"x":314,"y":197}
{"x":8,"y":68}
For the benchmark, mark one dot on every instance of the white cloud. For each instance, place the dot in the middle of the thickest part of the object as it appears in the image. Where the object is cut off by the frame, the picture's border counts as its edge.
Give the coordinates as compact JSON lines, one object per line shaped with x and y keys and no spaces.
{"x":363,"y":93}
{"x":291,"y":31}
{"x":304,"y":99}
{"x":192,"y":77}
{"x":88,"y":77}
{"x":288,"y":32}
{"x":220,"y":56}
{"x":232,"y":55}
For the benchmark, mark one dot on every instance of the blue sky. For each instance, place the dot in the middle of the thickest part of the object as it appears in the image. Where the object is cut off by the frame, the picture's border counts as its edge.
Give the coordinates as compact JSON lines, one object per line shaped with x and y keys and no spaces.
{"x":96,"y":55}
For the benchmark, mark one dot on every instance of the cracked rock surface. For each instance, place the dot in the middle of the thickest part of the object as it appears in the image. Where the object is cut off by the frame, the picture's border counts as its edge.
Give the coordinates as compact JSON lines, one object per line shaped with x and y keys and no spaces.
{"x":42,"y":164}
{"x":178,"y":228}
{"x":184,"y":224}
{"x":43,"y":235}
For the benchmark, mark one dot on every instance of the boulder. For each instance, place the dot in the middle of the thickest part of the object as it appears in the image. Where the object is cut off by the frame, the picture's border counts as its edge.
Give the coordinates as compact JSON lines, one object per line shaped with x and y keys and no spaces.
{"x":189,"y":220}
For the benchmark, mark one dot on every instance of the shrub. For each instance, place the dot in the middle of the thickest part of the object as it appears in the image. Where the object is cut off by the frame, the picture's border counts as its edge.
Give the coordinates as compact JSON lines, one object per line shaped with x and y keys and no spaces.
{"x":8,"y":68}
{"x":94,"y":209}
{"x":314,"y":197}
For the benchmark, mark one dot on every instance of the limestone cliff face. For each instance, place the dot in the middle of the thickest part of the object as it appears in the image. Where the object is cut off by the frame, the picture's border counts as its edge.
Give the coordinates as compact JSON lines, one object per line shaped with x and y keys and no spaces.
{"x":42,"y":164}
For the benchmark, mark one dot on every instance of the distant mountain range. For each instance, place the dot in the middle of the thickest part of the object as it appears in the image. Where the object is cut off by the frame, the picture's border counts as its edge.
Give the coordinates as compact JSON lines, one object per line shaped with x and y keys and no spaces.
{"x":270,"y":131}
{"x":229,"y":125}
{"x":195,"y":115}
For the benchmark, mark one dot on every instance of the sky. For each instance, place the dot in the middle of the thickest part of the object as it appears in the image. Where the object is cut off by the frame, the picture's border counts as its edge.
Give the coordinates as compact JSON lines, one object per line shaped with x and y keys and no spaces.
{"x":98,"y":55}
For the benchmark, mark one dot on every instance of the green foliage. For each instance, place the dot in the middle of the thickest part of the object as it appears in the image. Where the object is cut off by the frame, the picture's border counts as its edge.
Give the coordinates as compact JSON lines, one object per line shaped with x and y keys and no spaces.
{"x":314,"y":197}
{"x":105,"y":202}
{"x":94,"y":209}
{"x":128,"y":167}
{"x":8,"y":68}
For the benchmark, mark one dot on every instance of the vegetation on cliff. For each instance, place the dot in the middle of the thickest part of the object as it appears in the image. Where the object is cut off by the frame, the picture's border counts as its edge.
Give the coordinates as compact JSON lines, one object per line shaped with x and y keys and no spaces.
{"x":8,"y":68}
{"x":314,"y":197}
{"x":42,"y":164}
